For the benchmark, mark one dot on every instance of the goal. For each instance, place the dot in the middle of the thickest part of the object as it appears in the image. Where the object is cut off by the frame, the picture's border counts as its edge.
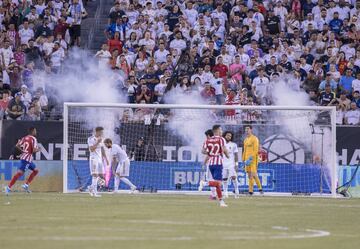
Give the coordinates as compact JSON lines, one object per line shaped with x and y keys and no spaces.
{"x":164,"y":142}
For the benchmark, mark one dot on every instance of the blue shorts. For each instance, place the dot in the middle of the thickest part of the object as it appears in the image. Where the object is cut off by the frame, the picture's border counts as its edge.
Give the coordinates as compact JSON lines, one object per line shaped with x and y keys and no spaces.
{"x":216,"y":172}
{"x":24,"y":165}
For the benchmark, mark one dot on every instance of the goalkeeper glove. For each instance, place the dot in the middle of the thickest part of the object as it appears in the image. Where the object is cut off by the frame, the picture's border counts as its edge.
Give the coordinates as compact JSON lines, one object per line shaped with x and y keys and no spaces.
{"x":248,"y":162}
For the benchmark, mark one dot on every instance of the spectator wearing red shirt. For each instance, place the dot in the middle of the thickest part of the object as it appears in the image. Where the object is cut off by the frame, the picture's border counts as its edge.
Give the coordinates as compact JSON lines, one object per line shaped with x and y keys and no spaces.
{"x":221,"y":67}
{"x":208,"y":93}
{"x":144,"y":93}
{"x":115,"y":43}
{"x":4,"y":102}
{"x":61,"y":27}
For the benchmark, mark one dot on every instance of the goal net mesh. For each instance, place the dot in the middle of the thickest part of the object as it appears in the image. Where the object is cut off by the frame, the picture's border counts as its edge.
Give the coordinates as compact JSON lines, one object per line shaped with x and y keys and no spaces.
{"x":164,"y":146}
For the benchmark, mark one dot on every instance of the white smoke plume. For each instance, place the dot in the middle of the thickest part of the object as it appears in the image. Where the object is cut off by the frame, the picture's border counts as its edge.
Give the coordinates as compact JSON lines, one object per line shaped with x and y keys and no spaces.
{"x":189,"y":124}
{"x":84,"y":80}
{"x":297,"y":123}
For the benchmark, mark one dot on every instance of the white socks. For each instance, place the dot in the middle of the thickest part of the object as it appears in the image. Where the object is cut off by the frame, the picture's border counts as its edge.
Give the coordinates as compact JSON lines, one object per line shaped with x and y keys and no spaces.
{"x":94,"y":182}
{"x":116,"y":183}
{"x":127,"y":182}
{"x":236,"y":186}
{"x":225,"y":186}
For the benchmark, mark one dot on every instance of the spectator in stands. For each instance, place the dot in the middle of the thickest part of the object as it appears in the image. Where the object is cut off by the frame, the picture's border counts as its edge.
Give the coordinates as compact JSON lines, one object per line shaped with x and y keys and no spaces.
{"x":352,"y":116}
{"x":327,"y":97}
{"x":76,"y":13}
{"x":16,"y":108}
{"x":345,"y":83}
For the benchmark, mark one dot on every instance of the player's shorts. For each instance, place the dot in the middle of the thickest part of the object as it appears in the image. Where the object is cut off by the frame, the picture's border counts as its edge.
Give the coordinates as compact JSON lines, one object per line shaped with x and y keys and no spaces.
{"x":96,"y":166}
{"x":251,"y":168}
{"x":208,"y":176}
{"x":216,"y":172}
{"x":24,"y":165}
{"x":123,"y":169}
{"x":228,"y":172}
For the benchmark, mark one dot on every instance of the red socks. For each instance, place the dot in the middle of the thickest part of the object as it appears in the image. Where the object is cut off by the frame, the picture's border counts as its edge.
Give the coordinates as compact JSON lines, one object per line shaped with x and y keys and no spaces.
{"x":217,"y":185}
{"x":32,"y":176}
{"x":14,"y":179}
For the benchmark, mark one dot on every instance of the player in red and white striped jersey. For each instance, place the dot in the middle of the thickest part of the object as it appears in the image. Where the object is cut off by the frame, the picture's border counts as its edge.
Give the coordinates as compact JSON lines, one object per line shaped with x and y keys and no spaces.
{"x":215,"y":149}
{"x":28,"y":146}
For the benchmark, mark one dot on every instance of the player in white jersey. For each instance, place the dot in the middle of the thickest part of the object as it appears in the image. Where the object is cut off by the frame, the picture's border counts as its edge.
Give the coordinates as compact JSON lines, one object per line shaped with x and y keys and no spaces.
{"x":230,"y":165}
{"x":97,"y":154}
{"x":120,"y":165}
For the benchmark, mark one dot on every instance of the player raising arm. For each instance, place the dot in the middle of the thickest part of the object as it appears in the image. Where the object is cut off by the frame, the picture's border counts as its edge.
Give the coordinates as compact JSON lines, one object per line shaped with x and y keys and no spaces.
{"x":215,"y":148}
{"x":250,"y":158}
{"x":97,"y":154}
{"x":28,"y":146}
{"x":230,"y":165}
{"x":120,"y":165}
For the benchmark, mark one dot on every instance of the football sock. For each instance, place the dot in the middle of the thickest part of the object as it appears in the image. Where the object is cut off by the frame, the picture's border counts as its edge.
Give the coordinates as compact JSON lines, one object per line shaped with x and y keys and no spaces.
{"x":14,"y":179}
{"x":236,"y":186}
{"x":251,"y":185}
{"x":116,"y":183}
{"x":32,"y":176}
{"x":258,"y":183}
{"x":217,"y":185}
{"x":225,"y":186}
{"x":127,"y":182}
{"x":94,"y":183}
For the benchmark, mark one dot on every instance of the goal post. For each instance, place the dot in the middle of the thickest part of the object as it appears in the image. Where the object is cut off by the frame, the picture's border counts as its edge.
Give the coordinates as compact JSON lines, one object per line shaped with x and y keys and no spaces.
{"x":164,"y":143}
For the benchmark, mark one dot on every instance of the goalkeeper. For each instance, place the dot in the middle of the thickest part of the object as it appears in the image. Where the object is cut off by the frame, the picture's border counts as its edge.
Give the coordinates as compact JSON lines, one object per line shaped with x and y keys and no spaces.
{"x":250,"y":158}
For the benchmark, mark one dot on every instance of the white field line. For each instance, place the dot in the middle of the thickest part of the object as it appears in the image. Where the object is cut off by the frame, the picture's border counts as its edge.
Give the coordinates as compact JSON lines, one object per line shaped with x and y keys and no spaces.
{"x":284,"y":233}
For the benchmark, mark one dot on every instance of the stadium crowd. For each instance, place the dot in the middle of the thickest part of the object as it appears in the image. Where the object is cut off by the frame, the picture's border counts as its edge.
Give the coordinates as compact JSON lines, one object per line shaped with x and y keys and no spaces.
{"x":35,"y":36}
{"x":223,"y":51}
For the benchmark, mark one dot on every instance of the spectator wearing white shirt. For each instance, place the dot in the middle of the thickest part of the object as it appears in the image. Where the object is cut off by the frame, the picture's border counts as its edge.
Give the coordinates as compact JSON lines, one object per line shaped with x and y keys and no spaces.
{"x":281,"y":12}
{"x":6,"y":53}
{"x":356,"y":83}
{"x":352,"y":117}
{"x":190,"y":13}
{"x":178,"y":43}
{"x":103,"y":56}
{"x":26,"y":97}
{"x":218,"y":85}
{"x":26,"y":33}
{"x":160,"y":88}
{"x":161,"y":53}
{"x":148,"y":42}
{"x":260,"y":85}
{"x":218,"y":12}
{"x":56,"y":57}
{"x":306,"y":22}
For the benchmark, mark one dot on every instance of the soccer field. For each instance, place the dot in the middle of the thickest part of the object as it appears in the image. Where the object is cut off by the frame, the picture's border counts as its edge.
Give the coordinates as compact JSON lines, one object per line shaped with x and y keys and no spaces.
{"x":44,"y":220}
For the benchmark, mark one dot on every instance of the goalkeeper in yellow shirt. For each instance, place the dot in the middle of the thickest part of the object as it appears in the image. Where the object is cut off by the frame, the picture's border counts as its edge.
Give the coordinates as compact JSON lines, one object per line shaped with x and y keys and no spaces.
{"x":250,"y":158}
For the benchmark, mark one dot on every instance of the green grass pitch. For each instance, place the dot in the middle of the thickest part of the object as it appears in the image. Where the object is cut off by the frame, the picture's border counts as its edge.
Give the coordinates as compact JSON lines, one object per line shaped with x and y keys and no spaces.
{"x":51,"y":221}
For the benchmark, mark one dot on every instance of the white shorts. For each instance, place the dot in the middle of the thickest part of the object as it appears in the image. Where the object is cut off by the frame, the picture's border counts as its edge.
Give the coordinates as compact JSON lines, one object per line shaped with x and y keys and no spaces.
{"x":96,"y":166}
{"x":123,"y":169}
{"x":228,"y":172}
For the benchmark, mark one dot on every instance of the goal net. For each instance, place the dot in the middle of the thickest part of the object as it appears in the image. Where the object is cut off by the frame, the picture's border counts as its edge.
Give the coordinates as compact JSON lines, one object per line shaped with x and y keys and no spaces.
{"x":164,"y":145}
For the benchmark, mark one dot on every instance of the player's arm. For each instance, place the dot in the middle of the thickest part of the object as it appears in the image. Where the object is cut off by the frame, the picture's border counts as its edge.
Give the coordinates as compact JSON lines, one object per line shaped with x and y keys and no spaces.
{"x":205,"y":162}
{"x":94,"y":146}
{"x":256,"y":148}
{"x":226,"y":151}
{"x":236,"y":159}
